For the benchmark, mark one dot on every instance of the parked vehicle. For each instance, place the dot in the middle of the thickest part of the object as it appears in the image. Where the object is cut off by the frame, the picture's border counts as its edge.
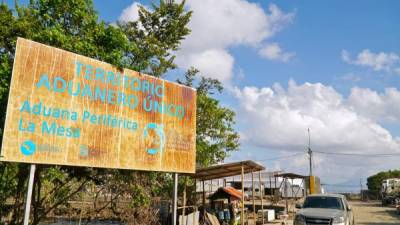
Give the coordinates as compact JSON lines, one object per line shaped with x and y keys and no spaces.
{"x":390,"y":191}
{"x":321,"y":209}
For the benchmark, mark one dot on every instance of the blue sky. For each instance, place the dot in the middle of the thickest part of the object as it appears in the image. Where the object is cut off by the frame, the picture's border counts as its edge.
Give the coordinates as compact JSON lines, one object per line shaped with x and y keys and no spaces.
{"x":333,"y":66}
{"x":316,"y":34}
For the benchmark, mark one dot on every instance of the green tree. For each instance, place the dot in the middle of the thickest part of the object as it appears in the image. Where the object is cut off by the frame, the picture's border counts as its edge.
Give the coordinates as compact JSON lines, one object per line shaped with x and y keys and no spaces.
{"x":156,"y":34}
{"x":215,"y":136}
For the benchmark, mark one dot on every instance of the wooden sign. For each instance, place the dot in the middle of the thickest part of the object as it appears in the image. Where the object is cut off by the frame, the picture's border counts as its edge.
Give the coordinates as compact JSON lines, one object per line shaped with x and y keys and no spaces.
{"x":67,"y":109}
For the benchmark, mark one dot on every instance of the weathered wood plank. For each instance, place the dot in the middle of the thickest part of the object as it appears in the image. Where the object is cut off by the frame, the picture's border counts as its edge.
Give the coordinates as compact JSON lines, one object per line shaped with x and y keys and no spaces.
{"x":67,"y":109}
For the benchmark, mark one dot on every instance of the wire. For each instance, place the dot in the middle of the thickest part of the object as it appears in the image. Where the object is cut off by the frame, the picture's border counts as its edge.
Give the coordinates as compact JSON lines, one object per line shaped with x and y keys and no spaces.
{"x":359,"y":154}
{"x":340,"y":185}
{"x":281,"y":157}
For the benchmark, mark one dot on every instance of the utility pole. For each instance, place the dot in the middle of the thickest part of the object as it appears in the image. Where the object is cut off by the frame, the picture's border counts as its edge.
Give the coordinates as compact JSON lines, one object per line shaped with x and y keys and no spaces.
{"x":310,"y":151}
{"x":361,"y":185}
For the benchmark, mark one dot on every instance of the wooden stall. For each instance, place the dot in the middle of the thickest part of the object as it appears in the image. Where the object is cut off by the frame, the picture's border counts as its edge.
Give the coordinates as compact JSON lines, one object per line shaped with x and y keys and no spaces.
{"x":228,"y":170}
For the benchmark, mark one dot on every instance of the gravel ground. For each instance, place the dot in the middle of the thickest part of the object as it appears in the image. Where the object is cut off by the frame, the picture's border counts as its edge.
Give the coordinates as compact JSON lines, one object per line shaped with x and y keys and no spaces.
{"x":373,"y":213}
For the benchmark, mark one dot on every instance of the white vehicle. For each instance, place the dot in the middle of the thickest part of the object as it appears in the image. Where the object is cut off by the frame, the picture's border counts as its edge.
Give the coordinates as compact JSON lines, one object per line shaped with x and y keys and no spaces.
{"x":390,"y":191}
{"x":324,"y":209}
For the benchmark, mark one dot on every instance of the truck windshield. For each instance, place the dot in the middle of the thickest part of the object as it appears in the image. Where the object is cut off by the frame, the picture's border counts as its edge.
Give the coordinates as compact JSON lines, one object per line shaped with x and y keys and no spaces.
{"x":323,"y":202}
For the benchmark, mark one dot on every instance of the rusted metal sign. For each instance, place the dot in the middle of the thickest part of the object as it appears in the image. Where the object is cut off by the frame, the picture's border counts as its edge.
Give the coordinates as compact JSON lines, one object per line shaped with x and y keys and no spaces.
{"x":67,"y":109}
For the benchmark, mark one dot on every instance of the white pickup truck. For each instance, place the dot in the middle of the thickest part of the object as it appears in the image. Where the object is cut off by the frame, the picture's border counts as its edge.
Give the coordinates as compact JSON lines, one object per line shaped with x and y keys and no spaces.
{"x":324,"y":209}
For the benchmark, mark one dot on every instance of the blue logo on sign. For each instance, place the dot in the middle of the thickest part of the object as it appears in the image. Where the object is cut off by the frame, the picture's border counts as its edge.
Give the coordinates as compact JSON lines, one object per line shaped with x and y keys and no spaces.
{"x":28,"y":148}
{"x":159,"y":129}
{"x":84,"y":151}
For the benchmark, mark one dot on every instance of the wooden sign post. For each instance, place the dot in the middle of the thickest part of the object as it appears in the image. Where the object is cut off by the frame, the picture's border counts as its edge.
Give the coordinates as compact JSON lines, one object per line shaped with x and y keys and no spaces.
{"x":175,"y":200}
{"x":29,"y":194}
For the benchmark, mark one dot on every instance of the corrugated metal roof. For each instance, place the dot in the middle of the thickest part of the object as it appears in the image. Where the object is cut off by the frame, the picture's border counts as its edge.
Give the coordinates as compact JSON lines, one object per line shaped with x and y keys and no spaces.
{"x":227,"y":170}
{"x":265,"y":175}
{"x":232,"y":191}
{"x":227,"y":191}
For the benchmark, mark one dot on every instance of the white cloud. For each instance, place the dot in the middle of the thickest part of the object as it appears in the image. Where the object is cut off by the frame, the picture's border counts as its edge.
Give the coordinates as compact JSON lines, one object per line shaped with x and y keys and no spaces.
{"x":278,"y":118}
{"x":218,"y":25}
{"x":346,"y":56}
{"x":381,"y":107}
{"x":131,"y":13}
{"x":388,"y":62}
{"x":223,"y":24}
{"x":289,"y":114}
{"x":274,"y":52}
{"x":213,"y":63}
{"x":278,"y":19}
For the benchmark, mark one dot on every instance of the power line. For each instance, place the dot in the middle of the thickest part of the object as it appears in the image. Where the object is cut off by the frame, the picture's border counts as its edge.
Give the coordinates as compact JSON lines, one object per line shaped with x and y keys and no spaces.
{"x":281,"y":157}
{"x":285,"y":149}
{"x":340,"y":185}
{"x":359,"y":154}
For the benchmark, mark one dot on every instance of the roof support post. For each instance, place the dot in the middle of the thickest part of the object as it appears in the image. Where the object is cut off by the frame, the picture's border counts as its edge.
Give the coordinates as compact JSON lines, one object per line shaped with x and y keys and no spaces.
{"x":204,"y":199}
{"x":195,"y":192}
{"x":242,"y":208}
{"x":271,"y":190}
{"x":262,"y":195}
{"x":286,"y":196}
{"x":274,"y":192}
{"x":253,"y":197}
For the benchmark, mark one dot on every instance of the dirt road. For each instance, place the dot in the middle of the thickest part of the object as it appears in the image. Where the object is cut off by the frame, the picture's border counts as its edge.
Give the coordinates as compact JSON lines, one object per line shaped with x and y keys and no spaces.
{"x":373,"y":213}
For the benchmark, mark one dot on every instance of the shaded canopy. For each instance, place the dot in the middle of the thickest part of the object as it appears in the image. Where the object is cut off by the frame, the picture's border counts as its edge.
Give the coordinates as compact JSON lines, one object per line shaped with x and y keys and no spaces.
{"x":227,"y":170}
